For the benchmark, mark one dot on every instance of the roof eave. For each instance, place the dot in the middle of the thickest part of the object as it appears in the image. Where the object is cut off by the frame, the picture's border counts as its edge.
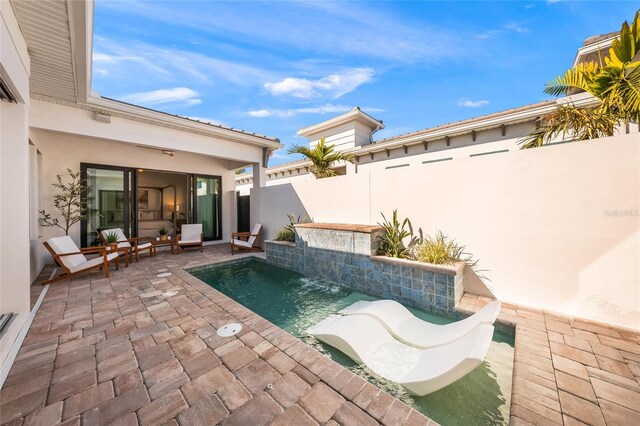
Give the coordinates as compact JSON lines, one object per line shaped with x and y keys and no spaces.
{"x":355,"y":113}
{"x":580,"y":100}
{"x":220,"y":132}
{"x":81,"y":31}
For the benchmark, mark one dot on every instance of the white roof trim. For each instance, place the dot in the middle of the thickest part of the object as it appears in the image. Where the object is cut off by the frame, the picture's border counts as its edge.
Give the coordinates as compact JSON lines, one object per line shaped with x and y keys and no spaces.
{"x":182,"y":123}
{"x":355,"y":114}
{"x":585,"y":50}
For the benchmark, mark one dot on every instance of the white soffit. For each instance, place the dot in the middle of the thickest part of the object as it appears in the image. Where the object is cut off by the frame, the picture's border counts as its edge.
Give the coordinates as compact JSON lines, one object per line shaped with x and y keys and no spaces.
{"x":45,"y":26}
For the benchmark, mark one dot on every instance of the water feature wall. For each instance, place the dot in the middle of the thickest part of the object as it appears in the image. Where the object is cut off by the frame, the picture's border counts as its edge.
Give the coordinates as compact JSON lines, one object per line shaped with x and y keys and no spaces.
{"x":347,"y":254}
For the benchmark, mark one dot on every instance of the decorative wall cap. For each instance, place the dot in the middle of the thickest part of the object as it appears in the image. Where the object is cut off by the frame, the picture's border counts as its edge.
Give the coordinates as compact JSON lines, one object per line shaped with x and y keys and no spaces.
{"x":280,"y":243}
{"x":365,"y":229}
{"x":456,"y":268}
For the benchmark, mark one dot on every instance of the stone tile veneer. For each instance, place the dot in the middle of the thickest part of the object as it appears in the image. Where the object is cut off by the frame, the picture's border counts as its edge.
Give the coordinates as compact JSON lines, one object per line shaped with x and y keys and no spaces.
{"x":346,"y":254}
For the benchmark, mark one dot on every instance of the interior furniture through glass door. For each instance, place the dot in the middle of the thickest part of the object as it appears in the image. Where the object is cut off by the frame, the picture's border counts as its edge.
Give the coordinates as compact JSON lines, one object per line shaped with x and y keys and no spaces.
{"x":109,"y":201}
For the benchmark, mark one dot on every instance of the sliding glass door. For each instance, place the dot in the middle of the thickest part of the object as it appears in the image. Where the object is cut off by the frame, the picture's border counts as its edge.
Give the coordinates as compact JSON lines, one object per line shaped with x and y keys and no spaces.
{"x":109,"y":201}
{"x":207,"y":205}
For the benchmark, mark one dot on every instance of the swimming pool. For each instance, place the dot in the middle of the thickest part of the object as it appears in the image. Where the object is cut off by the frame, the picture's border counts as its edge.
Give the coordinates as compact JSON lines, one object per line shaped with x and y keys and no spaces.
{"x":294,"y":302}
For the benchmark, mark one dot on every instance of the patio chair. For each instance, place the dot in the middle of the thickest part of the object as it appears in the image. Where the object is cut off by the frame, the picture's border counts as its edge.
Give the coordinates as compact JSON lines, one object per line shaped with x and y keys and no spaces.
{"x":72,"y":259}
{"x":246,"y":240}
{"x":125,"y":243}
{"x":190,"y":236}
{"x":407,"y":328}
{"x":420,"y":371}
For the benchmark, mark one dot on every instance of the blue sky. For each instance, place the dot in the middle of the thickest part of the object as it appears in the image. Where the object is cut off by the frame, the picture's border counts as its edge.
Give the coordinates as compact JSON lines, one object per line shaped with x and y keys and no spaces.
{"x":274,"y":67}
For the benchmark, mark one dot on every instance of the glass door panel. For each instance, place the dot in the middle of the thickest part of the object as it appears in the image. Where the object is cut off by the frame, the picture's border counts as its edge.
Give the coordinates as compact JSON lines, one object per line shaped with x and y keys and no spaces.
{"x":207,"y":207}
{"x":108,"y":202}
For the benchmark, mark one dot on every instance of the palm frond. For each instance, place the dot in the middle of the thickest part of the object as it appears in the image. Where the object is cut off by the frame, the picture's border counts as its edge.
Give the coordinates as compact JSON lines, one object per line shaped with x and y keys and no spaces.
{"x":579,"y":77}
{"x":571,"y":123}
{"x":322,"y":158}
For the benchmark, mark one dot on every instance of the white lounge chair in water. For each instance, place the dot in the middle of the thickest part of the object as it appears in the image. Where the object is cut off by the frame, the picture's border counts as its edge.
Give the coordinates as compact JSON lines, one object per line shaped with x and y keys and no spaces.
{"x":404,"y":326}
{"x":420,"y":371}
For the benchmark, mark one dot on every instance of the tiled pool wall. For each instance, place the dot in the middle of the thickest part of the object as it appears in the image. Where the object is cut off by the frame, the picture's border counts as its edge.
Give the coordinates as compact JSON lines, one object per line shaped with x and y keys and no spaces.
{"x":348,"y":258}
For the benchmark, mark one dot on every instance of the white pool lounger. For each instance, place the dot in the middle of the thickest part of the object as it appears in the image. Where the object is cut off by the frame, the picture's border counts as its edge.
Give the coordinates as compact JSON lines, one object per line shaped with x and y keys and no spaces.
{"x":420,"y":371}
{"x":404,"y":326}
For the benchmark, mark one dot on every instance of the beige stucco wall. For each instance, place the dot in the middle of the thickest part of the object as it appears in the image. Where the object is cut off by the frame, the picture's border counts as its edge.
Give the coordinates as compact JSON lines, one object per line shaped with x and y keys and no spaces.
{"x":62,"y":151}
{"x":556,"y":228}
{"x":14,"y":182}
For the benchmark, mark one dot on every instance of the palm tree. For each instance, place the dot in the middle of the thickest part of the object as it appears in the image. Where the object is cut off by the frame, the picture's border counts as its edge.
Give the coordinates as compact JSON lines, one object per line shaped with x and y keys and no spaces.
{"x":615,"y":83}
{"x":322,"y":158}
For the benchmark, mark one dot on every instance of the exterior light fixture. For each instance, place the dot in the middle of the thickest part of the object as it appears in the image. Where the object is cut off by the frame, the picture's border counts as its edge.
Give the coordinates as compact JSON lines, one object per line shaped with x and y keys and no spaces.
{"x":102,"y":118}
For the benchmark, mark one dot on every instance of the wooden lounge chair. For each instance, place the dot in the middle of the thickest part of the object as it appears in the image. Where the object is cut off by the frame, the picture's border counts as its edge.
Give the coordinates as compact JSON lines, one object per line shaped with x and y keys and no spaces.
{"x":72,"y":259}
{"x":190,"y":236}
{"x":125,"y":243}
{"x":246,"y":240}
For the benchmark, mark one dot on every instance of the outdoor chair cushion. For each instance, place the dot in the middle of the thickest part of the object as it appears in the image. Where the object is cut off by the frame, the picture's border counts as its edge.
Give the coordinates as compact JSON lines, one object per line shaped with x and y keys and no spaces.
{"x":254,"y":234}
{"x":241,"y":243}
{"x":65,"y":244}
{"x":93,"y":262}
{"x":191,"y":234}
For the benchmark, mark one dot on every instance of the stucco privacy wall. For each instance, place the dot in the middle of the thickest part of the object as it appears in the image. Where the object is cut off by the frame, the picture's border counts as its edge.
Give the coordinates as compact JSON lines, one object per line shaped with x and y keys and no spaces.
{"x":556,"y":228}
{"x":62,"y":151}
{"x":14,"y":183}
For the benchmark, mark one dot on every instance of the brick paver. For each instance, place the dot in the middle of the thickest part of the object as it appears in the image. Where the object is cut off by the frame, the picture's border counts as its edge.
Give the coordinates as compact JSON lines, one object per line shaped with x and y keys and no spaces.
{"x":138,"y":349}
{"x":568,"y":370}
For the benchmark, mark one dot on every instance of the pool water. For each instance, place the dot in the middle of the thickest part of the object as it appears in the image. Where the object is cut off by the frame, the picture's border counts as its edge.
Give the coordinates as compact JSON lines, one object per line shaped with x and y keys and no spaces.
{"x":295,"y":302}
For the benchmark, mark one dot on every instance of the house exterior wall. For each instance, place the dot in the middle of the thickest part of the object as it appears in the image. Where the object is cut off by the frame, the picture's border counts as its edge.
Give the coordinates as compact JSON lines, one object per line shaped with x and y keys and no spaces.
{"x":14,"y":180}
{"x":62,"y":151}
{"x":555,"y":228}
{"x":345,"y":136}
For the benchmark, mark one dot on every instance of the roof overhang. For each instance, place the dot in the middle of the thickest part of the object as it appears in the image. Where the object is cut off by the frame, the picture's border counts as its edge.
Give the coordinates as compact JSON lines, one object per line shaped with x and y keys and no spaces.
{"x":59,"y":36}
{"x":589,"y":53}
{"x":356,"y":114}
{"x":136,"y":113}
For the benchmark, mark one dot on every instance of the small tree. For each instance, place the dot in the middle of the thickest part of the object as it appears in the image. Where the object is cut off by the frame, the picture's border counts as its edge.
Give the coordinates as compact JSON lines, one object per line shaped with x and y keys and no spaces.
{"x":71,"y":202}
{"x":322,"y":158}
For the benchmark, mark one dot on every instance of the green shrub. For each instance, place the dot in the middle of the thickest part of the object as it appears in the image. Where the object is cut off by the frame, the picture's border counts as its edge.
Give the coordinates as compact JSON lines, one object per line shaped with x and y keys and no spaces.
{"x":395,"y":232}
{"x":440,"y":250}
{"x":288,"y":232}
{"x":111,"y":237}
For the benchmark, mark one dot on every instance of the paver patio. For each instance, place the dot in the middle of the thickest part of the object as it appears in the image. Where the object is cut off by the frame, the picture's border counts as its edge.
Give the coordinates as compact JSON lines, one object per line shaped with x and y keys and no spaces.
{"x":139,"y":349}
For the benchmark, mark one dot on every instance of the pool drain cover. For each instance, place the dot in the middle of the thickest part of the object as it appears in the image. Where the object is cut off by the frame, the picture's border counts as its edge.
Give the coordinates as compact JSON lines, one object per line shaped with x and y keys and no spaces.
{"x":229,"y":329}
{"x":164,"y":274}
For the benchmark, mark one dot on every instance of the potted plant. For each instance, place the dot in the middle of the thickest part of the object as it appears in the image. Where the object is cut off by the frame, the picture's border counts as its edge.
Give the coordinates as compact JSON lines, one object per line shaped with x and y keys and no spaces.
{"x":163,"y":231}
{"x":112,"y":240}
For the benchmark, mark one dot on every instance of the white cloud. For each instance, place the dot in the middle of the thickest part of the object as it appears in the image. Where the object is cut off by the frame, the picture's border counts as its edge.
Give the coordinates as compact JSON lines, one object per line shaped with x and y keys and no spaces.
{"x":346,"y":28}
{"x":171,"y":65}
{"x":513,"y":26}
{"x":468,"y":103}
{"x":320,"y":109}
{"x":182,"y":95}
{"x":487,"y":34}
{"x":509,"y":27}
{"x":260,"y":113}
{"x":333,"y":86}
